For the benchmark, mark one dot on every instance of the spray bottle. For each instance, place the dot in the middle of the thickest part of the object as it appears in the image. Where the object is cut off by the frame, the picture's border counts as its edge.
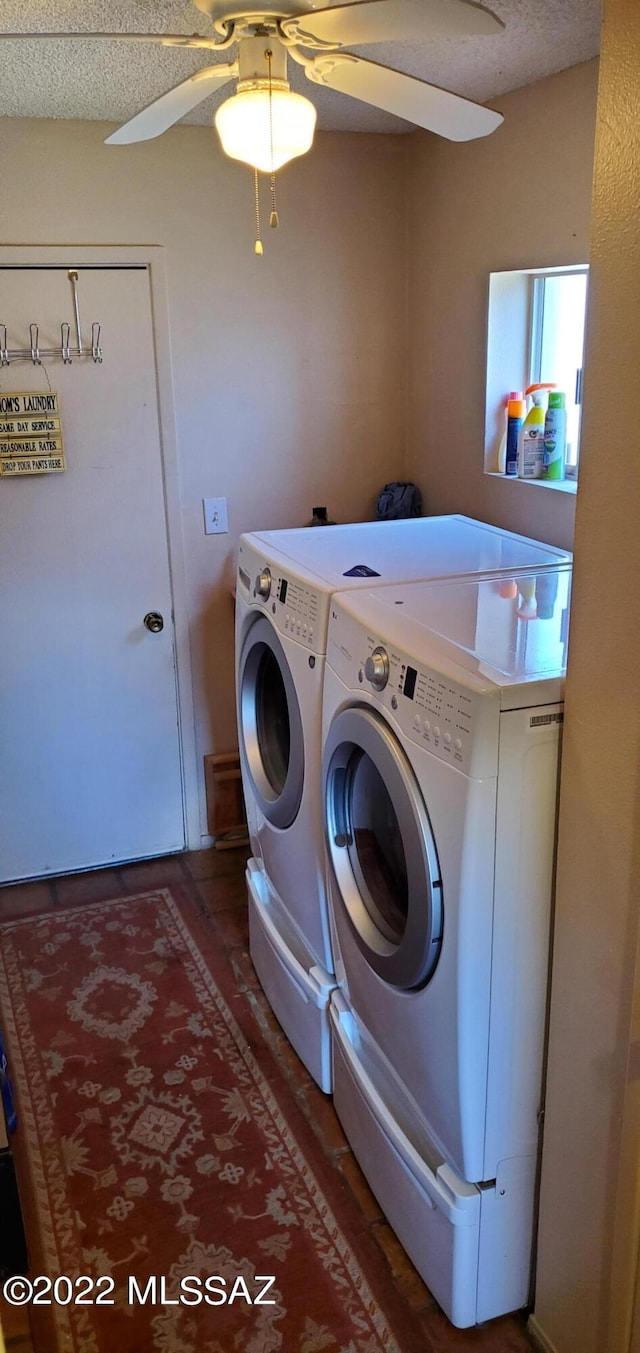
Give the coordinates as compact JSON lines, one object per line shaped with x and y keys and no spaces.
{"x":516,"y":409}
{"x":546,"y":593}
{"x":531,"y":436}
{"x":555,"y":437}
{"x":528,"y":607}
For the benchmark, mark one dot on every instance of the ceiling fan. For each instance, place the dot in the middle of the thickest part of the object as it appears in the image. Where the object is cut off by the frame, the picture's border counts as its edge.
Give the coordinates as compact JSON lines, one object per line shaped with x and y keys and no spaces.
{"x":263,"y":122}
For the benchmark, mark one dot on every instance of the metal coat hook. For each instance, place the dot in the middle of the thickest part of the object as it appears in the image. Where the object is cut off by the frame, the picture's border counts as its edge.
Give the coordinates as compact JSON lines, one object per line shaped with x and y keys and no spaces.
{"x":73,"y":278}
{"x":4,"y":355}
{"x":96,"y":350}
{"x":65,"y":331}
{"x":35,"y":352}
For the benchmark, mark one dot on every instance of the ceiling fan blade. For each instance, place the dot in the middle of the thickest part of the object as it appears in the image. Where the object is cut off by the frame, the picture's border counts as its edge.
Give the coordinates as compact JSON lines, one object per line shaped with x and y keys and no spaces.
{"x":427,"y":106}
{"x":170,"y":107}
{"x":165,"y":39}
{"x":389,"y":20}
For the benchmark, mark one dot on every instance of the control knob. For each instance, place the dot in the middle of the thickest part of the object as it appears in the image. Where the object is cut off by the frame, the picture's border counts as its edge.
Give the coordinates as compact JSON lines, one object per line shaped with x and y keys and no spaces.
{"x":376,"y":668}
{"x":263,"y":584}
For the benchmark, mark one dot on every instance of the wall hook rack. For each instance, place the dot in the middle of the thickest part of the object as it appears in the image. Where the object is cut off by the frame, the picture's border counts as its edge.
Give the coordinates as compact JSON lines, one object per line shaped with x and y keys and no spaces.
{"x":34,"y":353}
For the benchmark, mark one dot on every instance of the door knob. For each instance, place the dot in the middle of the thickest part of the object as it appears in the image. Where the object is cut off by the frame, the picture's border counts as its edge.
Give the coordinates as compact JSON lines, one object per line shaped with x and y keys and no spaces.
{"x":154,"y":622}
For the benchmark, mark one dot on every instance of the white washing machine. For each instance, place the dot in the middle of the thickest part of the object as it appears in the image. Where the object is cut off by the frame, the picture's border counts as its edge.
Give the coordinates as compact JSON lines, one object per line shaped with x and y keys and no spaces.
{"x":443,"y":705}
{"x":285,"y":583}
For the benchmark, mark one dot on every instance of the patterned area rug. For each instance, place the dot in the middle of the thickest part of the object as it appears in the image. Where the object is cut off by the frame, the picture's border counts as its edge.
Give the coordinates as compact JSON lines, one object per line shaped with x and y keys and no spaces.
{"x":164,"y":1179}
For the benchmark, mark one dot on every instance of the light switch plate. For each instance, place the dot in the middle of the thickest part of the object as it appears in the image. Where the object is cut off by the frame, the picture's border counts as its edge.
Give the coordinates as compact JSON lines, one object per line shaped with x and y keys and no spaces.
{"x":215,"y":516}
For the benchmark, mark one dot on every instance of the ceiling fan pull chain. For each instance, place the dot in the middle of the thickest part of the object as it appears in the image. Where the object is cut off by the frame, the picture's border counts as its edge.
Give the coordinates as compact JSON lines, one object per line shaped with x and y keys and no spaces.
{"x":273,"y":219}
{"x":258,"y":244}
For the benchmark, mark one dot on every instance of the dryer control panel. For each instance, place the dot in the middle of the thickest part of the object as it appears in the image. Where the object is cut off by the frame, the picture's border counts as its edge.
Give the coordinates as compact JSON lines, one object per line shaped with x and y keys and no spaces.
{"x":300,"y":608}
{"x":293,"y":605}
{"x":430,"y":707}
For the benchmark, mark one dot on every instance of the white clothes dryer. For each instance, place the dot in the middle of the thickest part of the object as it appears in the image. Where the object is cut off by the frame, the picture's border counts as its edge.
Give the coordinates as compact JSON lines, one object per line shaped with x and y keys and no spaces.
{"x":285,"y":583}
{"x":443,"y":705}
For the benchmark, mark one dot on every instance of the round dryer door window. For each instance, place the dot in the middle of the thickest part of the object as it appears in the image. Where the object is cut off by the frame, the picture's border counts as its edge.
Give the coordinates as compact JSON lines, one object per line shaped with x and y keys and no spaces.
{"x":384,"y":858}
{"x":271,"y":736}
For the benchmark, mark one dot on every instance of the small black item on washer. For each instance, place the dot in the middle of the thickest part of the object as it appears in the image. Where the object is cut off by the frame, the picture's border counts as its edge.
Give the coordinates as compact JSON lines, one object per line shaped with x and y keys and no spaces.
{"x":361,"y":571}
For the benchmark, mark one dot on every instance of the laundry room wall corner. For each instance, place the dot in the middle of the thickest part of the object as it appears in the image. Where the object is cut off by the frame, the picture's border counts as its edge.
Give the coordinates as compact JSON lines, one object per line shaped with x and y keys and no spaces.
{"x":546,"y":138}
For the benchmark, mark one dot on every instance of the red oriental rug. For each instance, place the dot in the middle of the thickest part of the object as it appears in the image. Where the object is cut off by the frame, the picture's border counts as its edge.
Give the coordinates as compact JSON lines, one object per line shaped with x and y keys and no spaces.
{"x":168,"y":1192}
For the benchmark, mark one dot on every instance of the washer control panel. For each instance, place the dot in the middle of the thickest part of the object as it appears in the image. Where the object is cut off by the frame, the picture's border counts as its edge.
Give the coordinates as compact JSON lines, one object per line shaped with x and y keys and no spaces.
{"x":429,"y":707}
{"x":442,"y":713}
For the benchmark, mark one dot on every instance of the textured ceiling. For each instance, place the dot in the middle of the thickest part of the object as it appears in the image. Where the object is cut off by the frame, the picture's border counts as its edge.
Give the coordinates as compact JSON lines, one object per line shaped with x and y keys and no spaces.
{"x":112,"y":80}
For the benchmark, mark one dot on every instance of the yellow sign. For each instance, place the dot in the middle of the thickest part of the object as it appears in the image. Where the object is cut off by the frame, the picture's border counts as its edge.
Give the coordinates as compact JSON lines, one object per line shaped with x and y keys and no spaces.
{"x":30,"y":433}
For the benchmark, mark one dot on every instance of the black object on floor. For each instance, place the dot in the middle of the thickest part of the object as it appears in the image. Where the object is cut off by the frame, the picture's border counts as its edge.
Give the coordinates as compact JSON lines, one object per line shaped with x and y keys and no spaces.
{"x":13,"y":1249}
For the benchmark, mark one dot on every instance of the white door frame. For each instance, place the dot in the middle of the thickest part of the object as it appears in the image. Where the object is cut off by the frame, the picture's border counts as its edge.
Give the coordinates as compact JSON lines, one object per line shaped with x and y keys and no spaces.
{"x":152,"y":257}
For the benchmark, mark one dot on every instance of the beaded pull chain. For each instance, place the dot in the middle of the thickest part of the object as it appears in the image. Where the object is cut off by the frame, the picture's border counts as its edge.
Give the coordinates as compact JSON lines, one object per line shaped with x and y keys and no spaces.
{"x":258,"y":249}
{"x":273,"y":219}
{"x":273,"y":216}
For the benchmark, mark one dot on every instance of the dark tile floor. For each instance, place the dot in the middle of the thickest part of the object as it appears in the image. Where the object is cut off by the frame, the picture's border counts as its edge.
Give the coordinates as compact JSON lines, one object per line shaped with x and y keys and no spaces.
{"x":215,"y":879}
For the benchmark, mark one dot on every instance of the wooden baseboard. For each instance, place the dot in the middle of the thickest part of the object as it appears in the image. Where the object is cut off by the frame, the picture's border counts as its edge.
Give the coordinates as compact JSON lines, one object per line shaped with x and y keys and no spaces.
{"x":538,"y":1337}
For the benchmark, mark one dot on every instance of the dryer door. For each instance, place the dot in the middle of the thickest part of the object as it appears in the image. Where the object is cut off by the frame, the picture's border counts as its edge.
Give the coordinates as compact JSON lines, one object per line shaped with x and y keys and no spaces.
{"x":271,"y":737}
{"x":382,"y":849}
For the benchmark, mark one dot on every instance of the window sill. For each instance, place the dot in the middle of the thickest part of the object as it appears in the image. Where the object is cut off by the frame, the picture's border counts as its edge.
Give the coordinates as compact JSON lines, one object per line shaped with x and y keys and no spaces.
{"x":557,"y":485}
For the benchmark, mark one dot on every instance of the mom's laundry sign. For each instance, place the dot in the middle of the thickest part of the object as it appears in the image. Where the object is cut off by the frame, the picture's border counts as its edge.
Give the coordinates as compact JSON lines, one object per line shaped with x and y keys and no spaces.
{"x":30,"y":433}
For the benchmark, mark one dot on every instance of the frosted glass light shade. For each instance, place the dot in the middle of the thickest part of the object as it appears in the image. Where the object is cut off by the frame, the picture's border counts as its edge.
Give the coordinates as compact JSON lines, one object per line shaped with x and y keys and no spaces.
{"x":244,"y":124}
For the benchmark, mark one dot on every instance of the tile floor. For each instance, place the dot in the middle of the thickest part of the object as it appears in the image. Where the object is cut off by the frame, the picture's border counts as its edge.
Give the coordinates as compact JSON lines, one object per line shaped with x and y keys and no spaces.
{"x":216,"y":881}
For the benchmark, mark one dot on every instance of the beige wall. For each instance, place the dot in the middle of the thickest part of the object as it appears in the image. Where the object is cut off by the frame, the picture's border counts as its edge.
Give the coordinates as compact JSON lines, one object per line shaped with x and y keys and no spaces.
{"x":288,"y":370}
{"x":521,"y":198}
{"x":588,"y":1236}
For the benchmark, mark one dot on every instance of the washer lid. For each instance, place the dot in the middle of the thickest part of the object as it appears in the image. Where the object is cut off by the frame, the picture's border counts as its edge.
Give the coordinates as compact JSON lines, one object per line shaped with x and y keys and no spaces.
{"x":396,"y":551}
{"x":511,"y":632}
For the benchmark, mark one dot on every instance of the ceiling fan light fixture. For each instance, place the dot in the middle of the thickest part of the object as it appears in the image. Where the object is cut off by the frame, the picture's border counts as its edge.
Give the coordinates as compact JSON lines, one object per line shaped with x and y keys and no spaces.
{"x":266,"y":128}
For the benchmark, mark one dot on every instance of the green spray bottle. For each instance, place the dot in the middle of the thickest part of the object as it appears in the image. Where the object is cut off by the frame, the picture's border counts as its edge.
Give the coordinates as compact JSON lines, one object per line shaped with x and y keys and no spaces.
{"x":555,"y":437}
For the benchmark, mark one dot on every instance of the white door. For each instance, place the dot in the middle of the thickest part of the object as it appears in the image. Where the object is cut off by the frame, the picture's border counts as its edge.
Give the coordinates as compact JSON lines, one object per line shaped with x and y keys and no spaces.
{"x":90,"y":767}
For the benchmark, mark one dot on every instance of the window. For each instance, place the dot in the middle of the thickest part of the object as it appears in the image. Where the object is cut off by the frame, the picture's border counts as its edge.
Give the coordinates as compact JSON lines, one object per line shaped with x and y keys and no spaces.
{"x":558,"y":312}
{"x":536,"y":334}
